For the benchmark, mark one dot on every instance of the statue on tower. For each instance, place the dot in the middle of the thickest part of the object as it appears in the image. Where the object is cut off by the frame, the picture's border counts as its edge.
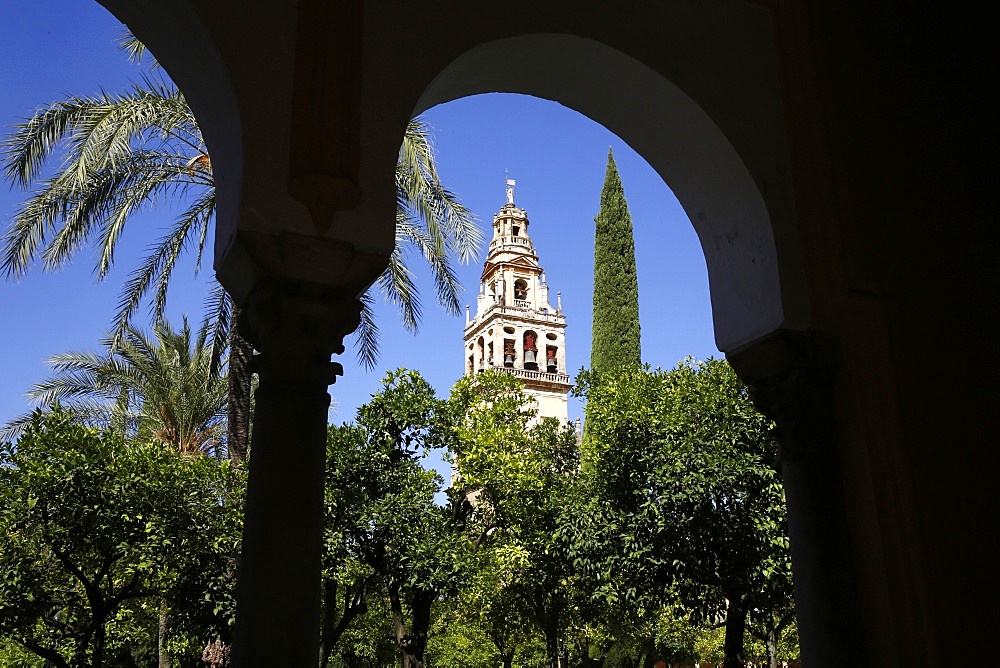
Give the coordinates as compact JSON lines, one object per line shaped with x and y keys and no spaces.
{"x":510,"y":190}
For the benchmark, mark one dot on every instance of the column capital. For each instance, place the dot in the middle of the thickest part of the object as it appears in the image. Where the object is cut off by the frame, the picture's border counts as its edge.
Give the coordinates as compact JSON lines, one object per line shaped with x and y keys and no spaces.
{"x":790,"y":378}
{"x":296,"y":326}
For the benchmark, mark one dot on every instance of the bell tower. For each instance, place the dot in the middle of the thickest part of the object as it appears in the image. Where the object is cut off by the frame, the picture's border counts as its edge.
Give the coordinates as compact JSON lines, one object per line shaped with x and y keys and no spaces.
{"x":515,"y":327}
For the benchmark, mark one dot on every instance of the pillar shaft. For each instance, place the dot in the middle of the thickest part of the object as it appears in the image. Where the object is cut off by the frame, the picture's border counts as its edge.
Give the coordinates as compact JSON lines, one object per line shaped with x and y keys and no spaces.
{"x":790,"y":377}
{"x":296,"y":327}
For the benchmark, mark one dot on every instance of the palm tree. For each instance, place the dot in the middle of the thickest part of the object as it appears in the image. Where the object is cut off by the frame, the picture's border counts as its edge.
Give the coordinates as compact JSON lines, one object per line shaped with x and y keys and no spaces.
{"x":161,"y":387}
{"x":124,"y":153}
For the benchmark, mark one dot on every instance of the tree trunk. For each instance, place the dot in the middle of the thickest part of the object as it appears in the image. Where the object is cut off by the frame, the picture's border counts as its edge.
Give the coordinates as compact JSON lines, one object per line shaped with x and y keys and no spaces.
{"x":240,"y":387}
{"x":420,"y":628}
{"x":552,"y":646}
{"x":772,"y":647}
{"x":327,"y":627}
{"x":355,"y":604}
{"x":505,"y":648}
{"x":163,"y":658}
{"x":100,"y":635}
{"x":736,"y":618}
{"x":410,"y":648}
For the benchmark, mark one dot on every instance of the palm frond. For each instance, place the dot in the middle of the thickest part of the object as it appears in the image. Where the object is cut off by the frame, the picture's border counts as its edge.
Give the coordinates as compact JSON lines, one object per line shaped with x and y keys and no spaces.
{"x":218,"y":320}
{"x":419,"y":188}
{"x":397,"y":286}
{"x":116,"y":155}
{"x":430,"y":220}
{"x":366,"y":335}
{"x":446,"y":283}
{"x":197,"y":217}
{"x":115,"y":164}
{"x":135,"y":50}
{"x":156,"y":268}
{"x":149,"y":386}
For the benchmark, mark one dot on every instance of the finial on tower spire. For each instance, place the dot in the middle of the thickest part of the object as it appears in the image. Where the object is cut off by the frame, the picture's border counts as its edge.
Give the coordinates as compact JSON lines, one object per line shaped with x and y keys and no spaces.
{"x":510,"y":187}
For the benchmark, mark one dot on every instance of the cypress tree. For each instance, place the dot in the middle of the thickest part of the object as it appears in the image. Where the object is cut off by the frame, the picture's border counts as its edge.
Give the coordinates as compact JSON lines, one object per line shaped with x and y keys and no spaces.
{"x":615,"y":334}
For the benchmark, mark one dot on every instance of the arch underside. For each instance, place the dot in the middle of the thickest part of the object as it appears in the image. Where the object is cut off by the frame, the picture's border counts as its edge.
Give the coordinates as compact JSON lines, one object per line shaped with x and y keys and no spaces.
{"x":754,"y":292}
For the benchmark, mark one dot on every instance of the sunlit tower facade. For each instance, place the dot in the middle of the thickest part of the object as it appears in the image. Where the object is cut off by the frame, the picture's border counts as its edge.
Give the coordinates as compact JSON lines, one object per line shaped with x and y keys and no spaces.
{"x":515,"y":327}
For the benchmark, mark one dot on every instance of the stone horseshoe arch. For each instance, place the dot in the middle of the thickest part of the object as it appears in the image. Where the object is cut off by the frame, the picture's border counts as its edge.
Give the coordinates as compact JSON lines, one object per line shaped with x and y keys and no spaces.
{"x":756,"y":285}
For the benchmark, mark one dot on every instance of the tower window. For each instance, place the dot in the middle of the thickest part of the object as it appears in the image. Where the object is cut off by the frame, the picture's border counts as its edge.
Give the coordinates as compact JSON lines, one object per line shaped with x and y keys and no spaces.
{"x":551,"y":363}
{"x":521,"y":289}
{"x":515,"y":230}
{"x":530,"y":350}
{"x":508,"y":352}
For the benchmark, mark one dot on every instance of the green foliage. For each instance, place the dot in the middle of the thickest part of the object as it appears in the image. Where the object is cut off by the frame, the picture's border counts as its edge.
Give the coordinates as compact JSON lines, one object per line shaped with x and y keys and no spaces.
{"x":522,"y":473}
{"x":690,"y":507}
{"x":369,"y":640}
{"x":13,"y":655}
{"x":93,"y":529}
{"x":117,"y":155}
{"x":149,"y":388}
{"x":620,"y":562}
{"x":457,"y":640}
{"x":615,"y":334}
{"x":384,"y":527}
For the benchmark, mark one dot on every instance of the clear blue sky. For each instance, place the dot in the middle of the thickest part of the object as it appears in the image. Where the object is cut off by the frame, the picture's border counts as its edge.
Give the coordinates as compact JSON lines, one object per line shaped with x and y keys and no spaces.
{"x":53,"y":48}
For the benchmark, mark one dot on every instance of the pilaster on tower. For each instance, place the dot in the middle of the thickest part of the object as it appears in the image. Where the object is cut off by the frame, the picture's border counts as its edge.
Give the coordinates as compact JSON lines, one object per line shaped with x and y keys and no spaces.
{"x":515,"y":328}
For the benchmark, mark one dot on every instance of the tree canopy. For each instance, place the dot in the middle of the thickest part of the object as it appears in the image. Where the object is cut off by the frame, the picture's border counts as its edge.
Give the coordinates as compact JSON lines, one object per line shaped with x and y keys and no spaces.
{"x":92,"y":164}
{"x":689,"y":503}
{"x":94,"y":531}
{"x":158,"y":387}
{"x":615,"y":338}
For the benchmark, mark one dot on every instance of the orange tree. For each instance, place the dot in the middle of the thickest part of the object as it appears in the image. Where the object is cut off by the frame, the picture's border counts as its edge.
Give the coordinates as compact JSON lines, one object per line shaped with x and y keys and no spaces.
{"x":93,"y":530}
{"x":687,"y":505}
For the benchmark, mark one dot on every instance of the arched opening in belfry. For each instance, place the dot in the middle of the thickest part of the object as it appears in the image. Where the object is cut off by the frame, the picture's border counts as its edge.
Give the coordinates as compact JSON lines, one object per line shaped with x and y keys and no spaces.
{"x":530,"y":341}
{"x":508,"y":352}
{"x":520,"y":291}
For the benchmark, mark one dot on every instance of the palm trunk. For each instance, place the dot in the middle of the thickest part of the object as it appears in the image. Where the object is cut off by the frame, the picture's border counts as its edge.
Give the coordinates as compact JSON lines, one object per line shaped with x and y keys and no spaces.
{"x":240,"y":379}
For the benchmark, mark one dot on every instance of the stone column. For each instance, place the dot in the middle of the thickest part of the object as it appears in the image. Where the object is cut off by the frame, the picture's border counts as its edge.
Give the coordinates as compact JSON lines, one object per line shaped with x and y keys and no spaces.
{"x":296,"y":326}
{"x":790,"y":378}
{"x":519,"y":347}
{"x":561,"y":355}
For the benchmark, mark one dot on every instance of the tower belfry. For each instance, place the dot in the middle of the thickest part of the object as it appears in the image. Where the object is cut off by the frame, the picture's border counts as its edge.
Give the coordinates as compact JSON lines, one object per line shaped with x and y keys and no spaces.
{"x":515,"y":328}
